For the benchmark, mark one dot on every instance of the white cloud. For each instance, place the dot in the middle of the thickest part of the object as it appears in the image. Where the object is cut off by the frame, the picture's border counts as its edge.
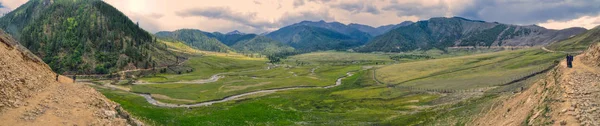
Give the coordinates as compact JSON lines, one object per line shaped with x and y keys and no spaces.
{"x":587,"y":22}
{"x":258,"y":16}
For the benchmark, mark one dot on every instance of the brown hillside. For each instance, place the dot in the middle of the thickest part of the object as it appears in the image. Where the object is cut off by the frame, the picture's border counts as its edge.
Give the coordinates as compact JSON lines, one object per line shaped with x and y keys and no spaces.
{"x":31,"y":95}
{"x":592,"y":55}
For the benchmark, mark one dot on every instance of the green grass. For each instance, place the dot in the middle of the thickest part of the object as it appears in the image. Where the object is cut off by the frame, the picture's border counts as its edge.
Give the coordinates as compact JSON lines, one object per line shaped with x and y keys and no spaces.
{"x":206,"y":66}
{"x":345,"y":58}
{"x":467,"y":72}
{"x":336,"y":57}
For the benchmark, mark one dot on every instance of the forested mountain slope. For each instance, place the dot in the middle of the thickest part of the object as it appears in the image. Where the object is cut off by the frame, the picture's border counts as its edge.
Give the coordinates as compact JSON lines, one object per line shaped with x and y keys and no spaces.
{"x":262,"y":45}
{"x":195,"y":38}
{"x":310,"y":38}
{"x":83,"y":36}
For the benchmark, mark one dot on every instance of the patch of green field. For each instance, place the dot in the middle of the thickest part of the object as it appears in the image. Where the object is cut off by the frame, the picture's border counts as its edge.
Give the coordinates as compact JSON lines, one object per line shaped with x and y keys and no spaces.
{"x":333,"y":57}
{"x":243,"y":82}
{"x":346,"y":58}
{"x":206,"y":66}
{"x":474,"y":71}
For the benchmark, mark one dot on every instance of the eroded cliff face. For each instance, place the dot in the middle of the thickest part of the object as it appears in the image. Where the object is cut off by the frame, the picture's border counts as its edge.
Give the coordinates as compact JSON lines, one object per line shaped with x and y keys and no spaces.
{"x":30,"y":94}
{"x":592,"y":55}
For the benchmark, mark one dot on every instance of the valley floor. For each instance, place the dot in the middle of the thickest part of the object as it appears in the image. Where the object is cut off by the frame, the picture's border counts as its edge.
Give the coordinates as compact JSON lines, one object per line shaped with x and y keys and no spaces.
{"x":436,"y":89}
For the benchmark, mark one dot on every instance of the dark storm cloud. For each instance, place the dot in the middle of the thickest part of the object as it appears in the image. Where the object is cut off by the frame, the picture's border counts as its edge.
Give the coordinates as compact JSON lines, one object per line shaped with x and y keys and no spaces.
{"x":225,"y":13}
{"x":372,"y":9}
{"x":248,"y":19}
{"x":298,"y":3}
{"x":416,"y":9}
{"x":530,"y":11}
{"x":359,"y":7}
{"x":291,"y":18}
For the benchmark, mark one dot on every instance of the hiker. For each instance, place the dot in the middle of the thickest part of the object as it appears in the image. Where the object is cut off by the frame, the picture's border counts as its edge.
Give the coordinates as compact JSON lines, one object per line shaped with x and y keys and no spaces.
{"x":74,"y":77}
{"x":57,"y":77}
{"x":569,"y":61}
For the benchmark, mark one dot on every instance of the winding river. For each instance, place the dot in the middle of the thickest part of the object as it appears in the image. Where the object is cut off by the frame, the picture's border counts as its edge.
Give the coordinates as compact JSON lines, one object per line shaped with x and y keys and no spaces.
{"x":153,"y":101}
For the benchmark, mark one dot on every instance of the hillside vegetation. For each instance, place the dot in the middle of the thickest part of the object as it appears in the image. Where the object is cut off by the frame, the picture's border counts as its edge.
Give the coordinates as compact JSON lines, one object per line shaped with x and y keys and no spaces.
{"x":84,"y":36}
{"x":196,"y":39}
{"x":577,"y":43}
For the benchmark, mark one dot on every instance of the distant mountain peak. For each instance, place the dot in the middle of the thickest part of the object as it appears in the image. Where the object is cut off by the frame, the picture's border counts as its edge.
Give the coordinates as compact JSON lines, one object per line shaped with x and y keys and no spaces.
{"x":235,"y":32}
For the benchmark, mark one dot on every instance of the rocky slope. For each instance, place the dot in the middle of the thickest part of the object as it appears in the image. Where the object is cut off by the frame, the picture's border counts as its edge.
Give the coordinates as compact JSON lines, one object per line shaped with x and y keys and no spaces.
{"x":446,"y":32}
{"x":30,"y":94}
{"x":592,"y":55}
{"x":566,"y":96}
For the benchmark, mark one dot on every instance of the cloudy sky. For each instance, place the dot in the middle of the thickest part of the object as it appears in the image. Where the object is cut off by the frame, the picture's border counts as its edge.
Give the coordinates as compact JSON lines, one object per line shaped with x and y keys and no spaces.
{"x":257,"y":16}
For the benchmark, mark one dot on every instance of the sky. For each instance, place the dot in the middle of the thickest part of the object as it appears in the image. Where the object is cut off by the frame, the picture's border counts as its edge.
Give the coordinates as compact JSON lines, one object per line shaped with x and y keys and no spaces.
{"x":259,"y":16}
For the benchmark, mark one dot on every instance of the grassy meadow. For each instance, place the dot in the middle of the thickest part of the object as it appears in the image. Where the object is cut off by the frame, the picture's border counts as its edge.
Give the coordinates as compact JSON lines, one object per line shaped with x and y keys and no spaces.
{"x":468,"y":72}
{"x":337,"y":106}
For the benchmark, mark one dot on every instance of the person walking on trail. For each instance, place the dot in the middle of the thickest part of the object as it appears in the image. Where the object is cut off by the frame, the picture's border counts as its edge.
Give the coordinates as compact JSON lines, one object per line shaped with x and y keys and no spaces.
{"x":74,"y":77}
{"x":570,"y":61}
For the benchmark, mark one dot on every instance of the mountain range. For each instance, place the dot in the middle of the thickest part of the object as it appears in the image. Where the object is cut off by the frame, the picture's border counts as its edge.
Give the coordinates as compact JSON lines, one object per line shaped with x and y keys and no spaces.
{"x":238,"y":41}
{"x":456,"y":31}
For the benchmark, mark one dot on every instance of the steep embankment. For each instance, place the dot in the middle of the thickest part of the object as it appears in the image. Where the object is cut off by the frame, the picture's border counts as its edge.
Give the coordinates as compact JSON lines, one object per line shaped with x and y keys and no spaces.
{"x":31,"y":95}
{"x":567,"y":96}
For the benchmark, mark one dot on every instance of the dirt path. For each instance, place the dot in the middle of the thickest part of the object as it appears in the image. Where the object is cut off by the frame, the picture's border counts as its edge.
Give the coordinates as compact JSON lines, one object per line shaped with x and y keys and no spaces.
{"x":581,"y":86}
{"x":552,"y":51}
